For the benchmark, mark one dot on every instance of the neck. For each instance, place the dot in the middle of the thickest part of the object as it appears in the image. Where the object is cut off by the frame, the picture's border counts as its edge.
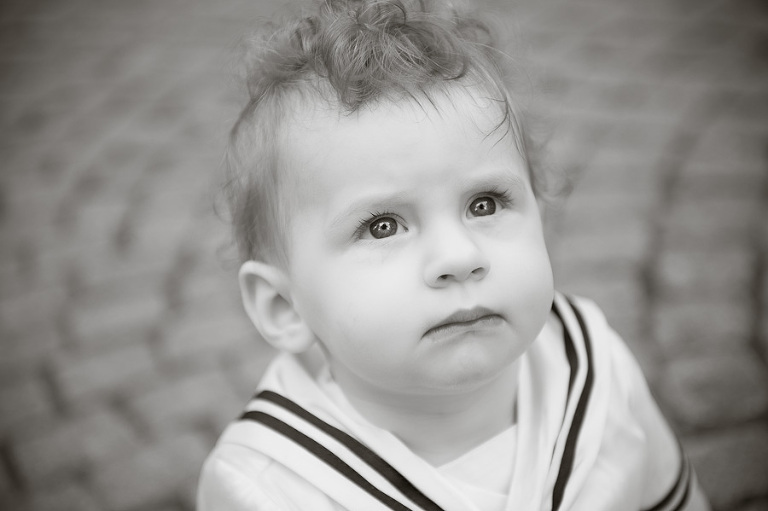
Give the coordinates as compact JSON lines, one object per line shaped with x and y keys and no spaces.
{"x":440,"y":428}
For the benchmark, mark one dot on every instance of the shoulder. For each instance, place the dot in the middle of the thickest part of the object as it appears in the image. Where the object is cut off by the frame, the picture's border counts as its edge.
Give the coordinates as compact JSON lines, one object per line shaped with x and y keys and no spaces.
{"x":229,"y":481}
{"x":238,"y":478}
{"x":668,"y":481}
{"x":616,"y":365}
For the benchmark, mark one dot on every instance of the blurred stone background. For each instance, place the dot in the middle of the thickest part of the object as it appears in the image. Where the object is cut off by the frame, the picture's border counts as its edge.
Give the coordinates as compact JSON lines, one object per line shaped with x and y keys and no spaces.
{"x":124,"y":349}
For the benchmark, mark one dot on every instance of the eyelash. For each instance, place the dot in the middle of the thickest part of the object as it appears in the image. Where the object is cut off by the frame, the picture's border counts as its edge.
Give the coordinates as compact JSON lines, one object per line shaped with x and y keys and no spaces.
{"x":503,"y":196}
{"x":365,"y":224}
{"x":500,"y":194}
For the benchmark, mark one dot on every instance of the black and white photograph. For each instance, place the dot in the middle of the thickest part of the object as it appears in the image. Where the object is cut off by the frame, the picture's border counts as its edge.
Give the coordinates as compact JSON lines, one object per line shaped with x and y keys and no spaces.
{"x":371,"y":255}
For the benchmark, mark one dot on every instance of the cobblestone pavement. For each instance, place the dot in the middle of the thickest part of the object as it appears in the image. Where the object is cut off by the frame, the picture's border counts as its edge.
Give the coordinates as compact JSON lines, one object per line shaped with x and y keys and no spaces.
{"x":124,"y":348}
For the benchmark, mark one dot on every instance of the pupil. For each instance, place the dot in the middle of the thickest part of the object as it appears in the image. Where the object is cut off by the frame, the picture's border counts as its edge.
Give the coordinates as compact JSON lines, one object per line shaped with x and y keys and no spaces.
{"x":483,"y":207}
{"x":383,"y":227}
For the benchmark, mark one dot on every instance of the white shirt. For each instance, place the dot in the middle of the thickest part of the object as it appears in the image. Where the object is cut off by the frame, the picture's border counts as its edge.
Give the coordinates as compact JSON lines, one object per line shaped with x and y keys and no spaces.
{"x":588,"y":437}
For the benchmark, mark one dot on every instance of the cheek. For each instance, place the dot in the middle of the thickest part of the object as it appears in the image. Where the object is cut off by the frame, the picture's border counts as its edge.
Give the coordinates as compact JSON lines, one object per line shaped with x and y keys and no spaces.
{"x":376,"y":299}
{"x":351,"y":301}
{"x":526,"y":279}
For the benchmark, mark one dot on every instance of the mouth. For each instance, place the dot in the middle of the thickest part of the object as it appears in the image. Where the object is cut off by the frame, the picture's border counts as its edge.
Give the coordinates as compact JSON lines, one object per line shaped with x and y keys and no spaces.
{"x":464,"y":321}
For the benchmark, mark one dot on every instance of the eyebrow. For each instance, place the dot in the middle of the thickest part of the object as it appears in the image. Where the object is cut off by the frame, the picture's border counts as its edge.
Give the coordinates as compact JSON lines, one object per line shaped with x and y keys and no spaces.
{"x":511,"y":180}
{"x":495,"y":177}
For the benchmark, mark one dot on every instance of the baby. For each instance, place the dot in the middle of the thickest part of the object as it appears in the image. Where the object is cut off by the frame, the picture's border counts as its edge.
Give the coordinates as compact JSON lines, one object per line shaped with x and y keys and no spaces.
{"x":386,"y":205}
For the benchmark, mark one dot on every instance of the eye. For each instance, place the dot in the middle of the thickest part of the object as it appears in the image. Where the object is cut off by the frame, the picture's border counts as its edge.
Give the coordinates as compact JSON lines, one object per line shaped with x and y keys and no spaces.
{"x":383,"y":227}
{"x":482,"y":206}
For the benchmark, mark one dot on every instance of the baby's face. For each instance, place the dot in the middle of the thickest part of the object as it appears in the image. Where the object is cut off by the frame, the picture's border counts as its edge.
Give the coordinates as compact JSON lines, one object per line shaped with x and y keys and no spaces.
{"x":416,"y":253}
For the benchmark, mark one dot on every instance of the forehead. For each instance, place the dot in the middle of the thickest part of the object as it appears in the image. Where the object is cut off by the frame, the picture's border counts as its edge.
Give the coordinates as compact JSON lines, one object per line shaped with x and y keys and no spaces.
{"x":321,"y":145}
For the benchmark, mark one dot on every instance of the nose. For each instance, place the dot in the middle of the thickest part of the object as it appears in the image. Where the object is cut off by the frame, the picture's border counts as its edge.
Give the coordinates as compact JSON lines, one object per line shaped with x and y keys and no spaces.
{"x":454,"y":256}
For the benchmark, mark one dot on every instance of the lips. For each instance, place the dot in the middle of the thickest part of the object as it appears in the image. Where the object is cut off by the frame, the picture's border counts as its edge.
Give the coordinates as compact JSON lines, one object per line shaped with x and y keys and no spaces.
{"x":463,"y":321}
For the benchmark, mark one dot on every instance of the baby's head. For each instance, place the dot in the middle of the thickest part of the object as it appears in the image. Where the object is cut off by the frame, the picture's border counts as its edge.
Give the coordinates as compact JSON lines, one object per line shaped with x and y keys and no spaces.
{"x":383,"y":199}
{"x":350,"y":56}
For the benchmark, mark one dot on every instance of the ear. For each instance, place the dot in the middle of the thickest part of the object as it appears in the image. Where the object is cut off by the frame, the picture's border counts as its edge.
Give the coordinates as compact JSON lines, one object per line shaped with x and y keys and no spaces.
{"x":266,"y":297}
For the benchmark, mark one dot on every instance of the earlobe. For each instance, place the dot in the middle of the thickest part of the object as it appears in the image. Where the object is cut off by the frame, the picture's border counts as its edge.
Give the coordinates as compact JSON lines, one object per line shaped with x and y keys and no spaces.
{"x":265,"y":290}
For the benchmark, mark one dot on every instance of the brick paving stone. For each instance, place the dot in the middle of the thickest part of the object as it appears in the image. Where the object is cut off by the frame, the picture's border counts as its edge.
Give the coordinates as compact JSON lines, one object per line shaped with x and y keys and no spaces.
{"x":39,"y":120}
{"x":15,"y":501}
{"x":168,"y":165}
{"x":738,"y":180}
{"x":573,"y":144}
{"x":25,"y":353}
{"x":211,"y":287}
{"x":26,"y":310}
{"x":707,"y":36}
{"x":641,"y":30}
{"x":713,"y":176}
{"x":568,"y":268}
{"x":23,"y":400}
{"x":118,"y":312}
{"x":35,"y":202}
{"x":617,"y":245}
{"x":149,"y":475}
{"x":762,"y":332}
{"x":97,"y":221}
{"x":747,"y":110}
{"x":101,"y":267}
{"x":708,"y":391}
{"x":731,"y":465}
{"x":717,"y":221}
{"x":197,"y":336}
{"x":628,"y":203}
{"x":201,"y":399}
{"x":610,"y":173}
{"x":726,"y":273}
{"x":757,"y":505}
{"x":70,"y":446}
{"x":722,"y":142}
{"x":154,"y":241}
{"x":66,"y":496}
{"x":7,"y":484}
{"x":744,"y":12}
{"x":543,"y":47}
{"x":99,"y":374}
{"x":648,"y":111}
{"x":573,"y":18}
{"x":43,"y":264}
{"x":734,"y":70}
{"x":697,"y":326}
{"x":671,"y":103}
{"x":670,"y":66}
{"x":626,"y":221}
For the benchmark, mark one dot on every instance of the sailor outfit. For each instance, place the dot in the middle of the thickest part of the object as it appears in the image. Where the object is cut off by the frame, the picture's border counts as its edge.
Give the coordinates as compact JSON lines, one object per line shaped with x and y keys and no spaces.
{"x":588,"y":437}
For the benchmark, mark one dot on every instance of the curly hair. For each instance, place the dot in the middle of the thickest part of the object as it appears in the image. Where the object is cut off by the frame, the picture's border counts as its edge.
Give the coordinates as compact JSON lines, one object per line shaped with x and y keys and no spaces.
{"x":350,"y":54}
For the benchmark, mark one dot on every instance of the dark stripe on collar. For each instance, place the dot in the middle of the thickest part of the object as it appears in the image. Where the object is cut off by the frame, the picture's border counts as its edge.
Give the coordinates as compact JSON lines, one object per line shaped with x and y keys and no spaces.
{"x":686,"y":495}
{"x":569,"y":453}
{"x":684,"y":480}
{"x":570,"y":353}
{"x":325,"y":455}
{"x":372,"y":459}
{"x":573,"y":365}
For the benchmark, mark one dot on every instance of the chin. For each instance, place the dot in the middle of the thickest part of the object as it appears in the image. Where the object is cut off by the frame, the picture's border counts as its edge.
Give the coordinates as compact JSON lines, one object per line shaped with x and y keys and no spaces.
{"x":471,"y":375}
